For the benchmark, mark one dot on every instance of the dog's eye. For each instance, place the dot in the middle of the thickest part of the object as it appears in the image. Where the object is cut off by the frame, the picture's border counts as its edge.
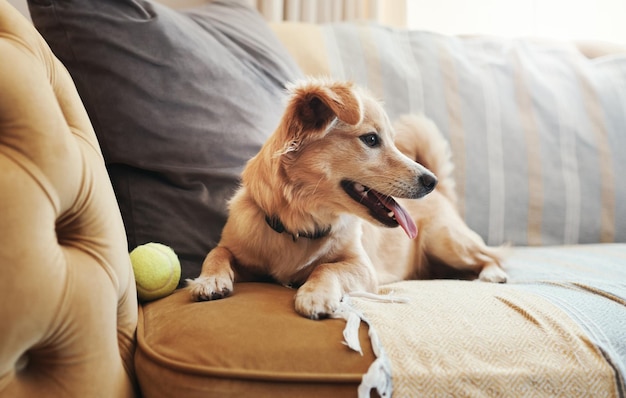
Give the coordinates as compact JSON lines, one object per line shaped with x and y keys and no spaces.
{"x":372,"y":140}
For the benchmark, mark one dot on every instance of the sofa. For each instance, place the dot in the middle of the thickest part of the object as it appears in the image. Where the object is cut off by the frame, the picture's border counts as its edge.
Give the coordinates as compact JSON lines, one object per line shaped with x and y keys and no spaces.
{"x":125,"y":122}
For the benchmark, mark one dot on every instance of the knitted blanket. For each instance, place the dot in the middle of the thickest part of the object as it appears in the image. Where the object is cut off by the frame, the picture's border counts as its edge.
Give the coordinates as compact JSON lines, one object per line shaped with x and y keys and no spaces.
{"x":558,"y":328}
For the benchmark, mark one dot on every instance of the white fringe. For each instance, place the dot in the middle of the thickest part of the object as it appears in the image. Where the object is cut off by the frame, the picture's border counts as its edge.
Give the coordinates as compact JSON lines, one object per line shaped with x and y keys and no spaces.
{"x":378,"y":375}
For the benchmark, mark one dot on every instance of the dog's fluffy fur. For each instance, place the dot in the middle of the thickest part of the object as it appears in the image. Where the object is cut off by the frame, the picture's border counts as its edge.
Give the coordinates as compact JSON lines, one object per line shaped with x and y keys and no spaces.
{"x":315,"y":208}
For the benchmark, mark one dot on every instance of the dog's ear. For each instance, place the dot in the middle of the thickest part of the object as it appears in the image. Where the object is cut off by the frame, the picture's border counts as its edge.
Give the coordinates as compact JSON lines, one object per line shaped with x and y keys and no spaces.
{"x":314,"y":104}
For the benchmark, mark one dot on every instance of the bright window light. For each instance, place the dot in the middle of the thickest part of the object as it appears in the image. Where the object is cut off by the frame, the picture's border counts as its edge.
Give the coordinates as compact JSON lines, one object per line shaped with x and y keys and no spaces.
{"x":560,"y":19}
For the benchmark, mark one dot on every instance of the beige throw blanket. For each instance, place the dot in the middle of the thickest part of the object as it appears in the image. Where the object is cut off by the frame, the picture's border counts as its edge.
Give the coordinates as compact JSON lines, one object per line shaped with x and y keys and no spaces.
{"x":490,"y":340}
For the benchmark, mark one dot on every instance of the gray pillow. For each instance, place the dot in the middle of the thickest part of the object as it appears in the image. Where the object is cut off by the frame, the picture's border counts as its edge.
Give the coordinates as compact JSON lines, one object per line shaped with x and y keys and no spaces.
{"x":180,"y":100}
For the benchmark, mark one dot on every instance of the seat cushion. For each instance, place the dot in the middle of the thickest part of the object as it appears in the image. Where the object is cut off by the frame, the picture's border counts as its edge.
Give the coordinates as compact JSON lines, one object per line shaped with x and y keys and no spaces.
{"x":180,"y":100}
{"x":252,"y":344}
{"x":557,"y":328}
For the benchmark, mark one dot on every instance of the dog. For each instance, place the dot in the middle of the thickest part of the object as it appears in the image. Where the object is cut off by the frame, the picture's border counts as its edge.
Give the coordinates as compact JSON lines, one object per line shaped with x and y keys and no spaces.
{"x":319,"y":205}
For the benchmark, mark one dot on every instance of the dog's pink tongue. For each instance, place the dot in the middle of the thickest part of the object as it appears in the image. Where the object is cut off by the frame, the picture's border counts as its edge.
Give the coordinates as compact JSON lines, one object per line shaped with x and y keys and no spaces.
{"x":404,"y":219}
{"x":402,"y":216}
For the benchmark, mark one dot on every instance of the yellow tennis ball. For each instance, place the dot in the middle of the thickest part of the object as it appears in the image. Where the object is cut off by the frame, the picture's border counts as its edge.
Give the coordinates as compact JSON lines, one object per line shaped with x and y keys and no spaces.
{"x":157,"y":270}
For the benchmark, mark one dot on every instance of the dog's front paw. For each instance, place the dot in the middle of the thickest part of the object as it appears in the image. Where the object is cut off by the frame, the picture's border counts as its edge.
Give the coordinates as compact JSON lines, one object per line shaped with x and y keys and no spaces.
{"x":492,"y":273}
{"x":317,"y":301}
{"x":206,"y":288}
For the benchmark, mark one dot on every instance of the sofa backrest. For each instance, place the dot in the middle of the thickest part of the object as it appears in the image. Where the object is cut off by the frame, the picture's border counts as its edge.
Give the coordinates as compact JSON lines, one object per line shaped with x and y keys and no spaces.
{"x":537,"y":129}
{"x":68,"y":304}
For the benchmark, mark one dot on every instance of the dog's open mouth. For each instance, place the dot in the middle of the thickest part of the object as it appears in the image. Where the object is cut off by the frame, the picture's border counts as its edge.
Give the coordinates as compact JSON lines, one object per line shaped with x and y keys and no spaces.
{"x":382,"y":207}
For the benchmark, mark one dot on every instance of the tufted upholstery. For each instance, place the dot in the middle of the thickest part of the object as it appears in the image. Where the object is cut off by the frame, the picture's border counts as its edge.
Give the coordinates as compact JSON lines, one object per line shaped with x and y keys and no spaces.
{"x":68,"y":309}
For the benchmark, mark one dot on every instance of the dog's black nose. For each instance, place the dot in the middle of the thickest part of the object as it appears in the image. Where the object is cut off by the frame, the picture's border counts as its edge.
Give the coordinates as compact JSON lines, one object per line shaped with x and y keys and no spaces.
{"x":428,"y":181}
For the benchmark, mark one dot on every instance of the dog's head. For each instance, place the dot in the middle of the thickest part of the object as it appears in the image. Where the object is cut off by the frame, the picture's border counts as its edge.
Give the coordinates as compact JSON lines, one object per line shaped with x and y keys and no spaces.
{"x":336,"y":154}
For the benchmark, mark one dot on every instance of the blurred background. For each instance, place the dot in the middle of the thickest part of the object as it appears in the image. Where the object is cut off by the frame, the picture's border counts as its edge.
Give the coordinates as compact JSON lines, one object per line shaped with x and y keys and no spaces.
{"x":603,"y":20}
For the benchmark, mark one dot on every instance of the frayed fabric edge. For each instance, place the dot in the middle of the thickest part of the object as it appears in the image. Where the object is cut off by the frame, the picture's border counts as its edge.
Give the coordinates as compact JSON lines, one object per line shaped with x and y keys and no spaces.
{"x":378,"y":375}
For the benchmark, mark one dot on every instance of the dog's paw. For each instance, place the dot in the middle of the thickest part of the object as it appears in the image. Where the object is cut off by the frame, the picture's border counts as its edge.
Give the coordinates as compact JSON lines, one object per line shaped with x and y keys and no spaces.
{"x":205,"y":288}
{"x":317,"y":302}
{"x":493,"y":273}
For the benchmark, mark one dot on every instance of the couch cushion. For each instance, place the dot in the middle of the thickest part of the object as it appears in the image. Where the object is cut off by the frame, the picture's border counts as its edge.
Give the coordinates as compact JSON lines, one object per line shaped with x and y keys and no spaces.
{"x":179,"y":100}
{"x":556,"y":329}
{"x":536,"y":128}
{"x":252,"y":344}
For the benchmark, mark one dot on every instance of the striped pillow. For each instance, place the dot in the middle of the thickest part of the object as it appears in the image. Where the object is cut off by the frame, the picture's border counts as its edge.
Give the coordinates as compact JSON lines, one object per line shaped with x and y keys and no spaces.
{"x":538,"y":131}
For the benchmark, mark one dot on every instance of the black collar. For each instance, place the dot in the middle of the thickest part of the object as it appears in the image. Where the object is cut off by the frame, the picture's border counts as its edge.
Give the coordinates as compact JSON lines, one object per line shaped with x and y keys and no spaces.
{"x":277,"y":225}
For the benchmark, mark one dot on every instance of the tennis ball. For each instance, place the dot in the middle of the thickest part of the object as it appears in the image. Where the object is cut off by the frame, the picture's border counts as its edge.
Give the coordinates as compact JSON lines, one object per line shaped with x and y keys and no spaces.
{"x":157,"y":270}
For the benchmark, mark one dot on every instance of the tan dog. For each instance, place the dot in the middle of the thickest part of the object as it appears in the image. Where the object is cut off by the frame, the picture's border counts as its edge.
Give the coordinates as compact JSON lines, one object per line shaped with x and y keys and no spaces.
{"x":315,"y":208}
